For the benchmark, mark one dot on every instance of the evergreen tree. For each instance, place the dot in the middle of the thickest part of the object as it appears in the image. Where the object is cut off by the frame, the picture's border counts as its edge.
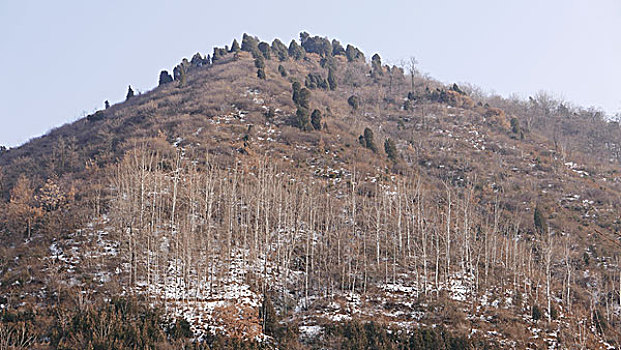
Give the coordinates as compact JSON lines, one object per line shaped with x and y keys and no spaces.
{"x":316,"y":119}
{"x":354,"y":102}
{"x":218,"y":53}
{"x":302,"y":118}
{"x":353,"y":54}
{"x":391,"y":149}
{"x":541,"y":225}
{"x":369,"y":141}
{"x":296,"y":86}
{"x":316,"y":44}
{"x":265,"y":50}
{"x":130,"y":93}
{"x":261,"y":73}
{"x":182,"y":76}
{"x":337,"y":48}
{"x":376,"y":65}
{"x":165,"y":78}
{"x":259,"y":62}
{"x":282,"y":70}
{"x":536,"y":313}
{"x":331,"y":79}
{"x":295,"y":51}
{"x":280,"y":50}
{"x":198,"y":60}
{"x":304,"y":98}
{"x":250,"y":44}
{"x":235,"y":46}
{"x":456,"y":88}
{"x":106,"y":104}
{"x":315,"y":80}
{"x":268,"y":316}
{"x":515,"y":125}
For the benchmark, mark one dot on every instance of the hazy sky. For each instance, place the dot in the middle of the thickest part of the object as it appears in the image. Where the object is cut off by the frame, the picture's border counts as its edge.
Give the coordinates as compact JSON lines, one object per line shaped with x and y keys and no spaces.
{"x":62,"y":59}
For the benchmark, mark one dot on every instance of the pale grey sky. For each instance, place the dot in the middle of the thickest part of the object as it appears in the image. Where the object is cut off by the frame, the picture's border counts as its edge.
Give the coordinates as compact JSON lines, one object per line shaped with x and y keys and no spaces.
{"x":62,"y":59}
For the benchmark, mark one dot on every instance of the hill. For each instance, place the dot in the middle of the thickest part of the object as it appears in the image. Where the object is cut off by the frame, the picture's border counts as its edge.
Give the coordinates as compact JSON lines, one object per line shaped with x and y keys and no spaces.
{"x":303,"y":196}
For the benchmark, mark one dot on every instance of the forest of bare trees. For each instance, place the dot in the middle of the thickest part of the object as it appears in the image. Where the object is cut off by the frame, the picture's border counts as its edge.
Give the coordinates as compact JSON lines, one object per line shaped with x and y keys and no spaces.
{"x":184,"y":220}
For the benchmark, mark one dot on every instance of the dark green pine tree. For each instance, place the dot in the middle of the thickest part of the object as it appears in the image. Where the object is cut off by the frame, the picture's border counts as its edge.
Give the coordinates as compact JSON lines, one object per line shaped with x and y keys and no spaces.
{"x":235,"y":46}
{"x":265,"y":49}
{"x":376,"y":64}
{"x":304,"y":98}
{"x":391,"y":149}
{"x":268,"y":316}
{"x":261,"y":74}
{"x":337,"y":48}
{"x":280,"y":50}
{"x":354,"y":102}
{"x":369,"y":140}
{"x":296,"y":86}
{"x":249,"y":43}
{"x":130,"y":93}
{"x":259,"y":62}
{"x":331,"y":79}
{"x":165,"y":77}
{"x":302,"y":118}
{"x":541,"y":225}
{"x":296,"y":51}
{"x":182,"y":77}
{"x":316,"y":119}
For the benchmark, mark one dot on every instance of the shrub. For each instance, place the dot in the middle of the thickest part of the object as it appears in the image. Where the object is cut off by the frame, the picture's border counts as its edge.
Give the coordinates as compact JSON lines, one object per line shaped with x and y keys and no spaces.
{"x":492,"y":112}
{"x":180,"y":329}
{"x":99,"y":115}
{"x":456,"y":88}
{"x":282,"y":71}
{"x":106,"y":104}
{"x":586,"y":258}
{"x":553,"y":312}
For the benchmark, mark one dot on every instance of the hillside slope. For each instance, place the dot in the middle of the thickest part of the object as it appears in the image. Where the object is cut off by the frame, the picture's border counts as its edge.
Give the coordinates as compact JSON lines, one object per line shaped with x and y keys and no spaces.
{"x":292,"y":195}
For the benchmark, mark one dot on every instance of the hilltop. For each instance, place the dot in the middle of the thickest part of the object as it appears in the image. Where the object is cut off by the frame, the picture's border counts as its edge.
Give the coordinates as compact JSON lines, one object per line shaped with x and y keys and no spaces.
{"x":306,"y":196}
